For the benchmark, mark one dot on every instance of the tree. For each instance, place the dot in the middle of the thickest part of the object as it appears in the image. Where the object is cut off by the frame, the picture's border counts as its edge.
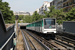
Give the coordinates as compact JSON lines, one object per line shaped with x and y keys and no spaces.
{"x":0,"y":0}
{"x":70,"y":16}
{"x":27,"y":19}
{"x":55,"y":13}
{"x":7,"y":13}
{"x":21,"y":17}
{"x":35,"y":16}
{"x":51,"y":12}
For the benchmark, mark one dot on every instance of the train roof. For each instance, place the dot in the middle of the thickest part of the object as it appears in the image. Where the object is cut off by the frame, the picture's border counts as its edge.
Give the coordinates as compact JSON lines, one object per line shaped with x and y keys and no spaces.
{"x":42,"y":19}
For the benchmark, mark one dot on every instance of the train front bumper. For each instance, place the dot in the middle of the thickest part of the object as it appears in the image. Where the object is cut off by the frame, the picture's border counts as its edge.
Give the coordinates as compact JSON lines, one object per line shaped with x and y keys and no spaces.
{"x":49,"y":31}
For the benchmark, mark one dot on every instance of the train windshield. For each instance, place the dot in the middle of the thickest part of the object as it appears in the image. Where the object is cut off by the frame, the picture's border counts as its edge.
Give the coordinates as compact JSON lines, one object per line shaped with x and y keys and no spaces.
{"x":49,"y":21}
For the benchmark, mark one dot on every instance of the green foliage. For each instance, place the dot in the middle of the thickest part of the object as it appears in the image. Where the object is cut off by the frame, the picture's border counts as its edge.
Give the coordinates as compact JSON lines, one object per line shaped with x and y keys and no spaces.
{"x":27,"y":19}
{"x":21,"y":17}
{"x":7,"y":13}
{"x":18,"y":21}
{"x":35,"y":16}
{"x":70,"y":16}
{"x":62,"y":16}
{"x":53,"y":13}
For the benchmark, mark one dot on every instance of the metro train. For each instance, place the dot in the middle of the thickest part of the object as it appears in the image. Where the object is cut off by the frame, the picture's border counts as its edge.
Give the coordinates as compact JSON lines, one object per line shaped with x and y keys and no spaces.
{"x":44,"y":26}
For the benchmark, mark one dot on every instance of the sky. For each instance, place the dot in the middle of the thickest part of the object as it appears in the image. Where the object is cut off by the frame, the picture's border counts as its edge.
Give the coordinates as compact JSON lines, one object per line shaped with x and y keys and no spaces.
{"x":25,"y":5}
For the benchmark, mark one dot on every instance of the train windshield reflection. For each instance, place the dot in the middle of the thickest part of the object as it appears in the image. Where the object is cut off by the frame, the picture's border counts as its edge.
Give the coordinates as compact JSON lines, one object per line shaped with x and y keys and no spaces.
{"x":49,"y":21}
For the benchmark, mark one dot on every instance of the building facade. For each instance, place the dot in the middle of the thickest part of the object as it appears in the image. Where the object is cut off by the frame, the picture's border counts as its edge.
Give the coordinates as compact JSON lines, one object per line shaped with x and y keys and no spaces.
{"x":57,"y":3}
{"x":37,"y":10}
{"x":52,"y":3}
{"x":68,"y":4}
{"x":41,"y":10}
{"x":65,"y":4}
{"x":21,"y":13}
{"x":44,"y":7}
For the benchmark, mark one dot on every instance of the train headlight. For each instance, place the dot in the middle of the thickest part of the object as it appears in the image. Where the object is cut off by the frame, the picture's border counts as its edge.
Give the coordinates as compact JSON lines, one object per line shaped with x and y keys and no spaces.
{"x":54,"y":31}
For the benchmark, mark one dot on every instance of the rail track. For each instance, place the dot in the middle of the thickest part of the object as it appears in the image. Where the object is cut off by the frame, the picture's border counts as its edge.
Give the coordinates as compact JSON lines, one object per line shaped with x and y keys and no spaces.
{"x":65,"y":41}
{"x":32,"y":43}
{"x":52,"y":44}
{"x":55,"y":44}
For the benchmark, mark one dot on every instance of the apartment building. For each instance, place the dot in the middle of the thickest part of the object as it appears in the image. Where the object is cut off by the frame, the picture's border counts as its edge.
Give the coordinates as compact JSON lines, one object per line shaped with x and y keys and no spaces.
{"x":41,"y":10}
{"x":37,"y":10}
{"x":54,"y":2}
{"x":65,"y":4}
{"x":68,"y":4}
{"x":44,"y":7}
{"x":59,"y":4}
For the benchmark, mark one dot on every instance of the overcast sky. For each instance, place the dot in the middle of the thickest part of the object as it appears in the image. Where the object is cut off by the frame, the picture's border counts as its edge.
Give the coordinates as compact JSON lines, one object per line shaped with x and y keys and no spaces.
{"x":25,"y":5}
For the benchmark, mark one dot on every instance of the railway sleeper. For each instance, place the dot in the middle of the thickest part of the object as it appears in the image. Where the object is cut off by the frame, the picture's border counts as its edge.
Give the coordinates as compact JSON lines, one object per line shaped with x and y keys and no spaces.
{"x":68,"y":40}
{"x":67,"y":46}
{"x":63,"y":38}
{"x":52,"y":46}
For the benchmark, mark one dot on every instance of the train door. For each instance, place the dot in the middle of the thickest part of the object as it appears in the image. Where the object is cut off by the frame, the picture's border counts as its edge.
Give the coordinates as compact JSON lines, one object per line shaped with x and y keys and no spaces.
{"x":35,"y":26}
{"x":40,"y":26}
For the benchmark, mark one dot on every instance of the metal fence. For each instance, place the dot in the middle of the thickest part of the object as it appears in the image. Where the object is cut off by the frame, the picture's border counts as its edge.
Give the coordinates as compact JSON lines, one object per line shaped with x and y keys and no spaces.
{"x":7,"y":35}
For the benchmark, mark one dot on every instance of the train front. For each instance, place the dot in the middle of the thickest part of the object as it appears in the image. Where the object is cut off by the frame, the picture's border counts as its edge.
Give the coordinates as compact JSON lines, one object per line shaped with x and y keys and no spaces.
{"x":49,"y":25}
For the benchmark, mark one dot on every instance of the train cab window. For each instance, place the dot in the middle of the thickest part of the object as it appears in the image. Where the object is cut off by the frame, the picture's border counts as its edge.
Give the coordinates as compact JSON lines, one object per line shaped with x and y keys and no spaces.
{"x":49,"y":21}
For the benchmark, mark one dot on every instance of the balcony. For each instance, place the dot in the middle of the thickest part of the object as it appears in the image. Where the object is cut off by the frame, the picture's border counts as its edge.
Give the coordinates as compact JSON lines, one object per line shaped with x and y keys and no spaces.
{"x":59,"y":1}
{"x":65,"y":5}
{"x":59,"y":4}
{"x":70,"y":4}
{"x":64,"y":0}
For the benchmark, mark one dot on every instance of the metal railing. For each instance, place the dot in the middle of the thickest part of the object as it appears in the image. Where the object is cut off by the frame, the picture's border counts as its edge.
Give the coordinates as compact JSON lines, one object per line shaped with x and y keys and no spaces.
{"x":7,"y":41}
{"x":7,"y":35}
{"x":72,"y":3}
{"x":64,"y":0}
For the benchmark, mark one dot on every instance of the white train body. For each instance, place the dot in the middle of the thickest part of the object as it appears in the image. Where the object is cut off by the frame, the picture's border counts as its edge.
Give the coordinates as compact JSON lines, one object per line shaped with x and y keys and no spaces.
{"x":45,"y":26}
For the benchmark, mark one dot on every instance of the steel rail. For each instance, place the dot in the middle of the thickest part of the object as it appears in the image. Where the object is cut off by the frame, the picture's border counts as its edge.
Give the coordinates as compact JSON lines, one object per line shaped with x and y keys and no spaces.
{"x":47,"y":43}
{"x":31,"y":42}
{"x":25,"y":42}
{"x":46,"y":48}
